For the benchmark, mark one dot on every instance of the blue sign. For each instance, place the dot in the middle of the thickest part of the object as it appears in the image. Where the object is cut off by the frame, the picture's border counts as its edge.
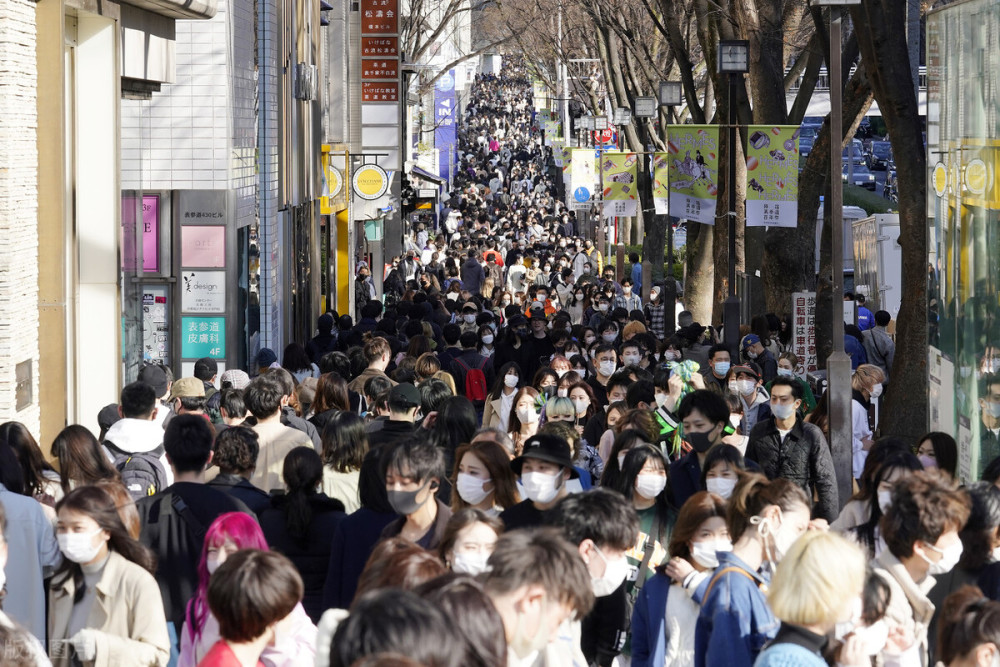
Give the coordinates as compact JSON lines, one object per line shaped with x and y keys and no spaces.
{"x":444,"y":122}
{"x":581,"y":194}
{"x":203,"y":337}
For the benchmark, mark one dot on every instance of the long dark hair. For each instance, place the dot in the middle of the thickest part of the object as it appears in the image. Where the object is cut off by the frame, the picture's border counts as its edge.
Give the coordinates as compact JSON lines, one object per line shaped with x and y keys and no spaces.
{"x":371,"y":484}
{"x":331,"y":393}
{"x":501,"y":374}
{"x":624,"y":483}
{"x":81,"y":458}
{"x":902,"y":460}
{"x":29,"y":455}
{"x":456,"y":423}
{"x":345,"y":442}
{"x":98,"y":505}
{"x":302,"y":472}
{"x":295,"y":359}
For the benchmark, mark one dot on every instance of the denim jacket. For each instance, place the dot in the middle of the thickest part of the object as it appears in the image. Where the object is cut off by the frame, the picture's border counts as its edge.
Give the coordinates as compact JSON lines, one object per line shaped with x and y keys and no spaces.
{"x":735,"y":622}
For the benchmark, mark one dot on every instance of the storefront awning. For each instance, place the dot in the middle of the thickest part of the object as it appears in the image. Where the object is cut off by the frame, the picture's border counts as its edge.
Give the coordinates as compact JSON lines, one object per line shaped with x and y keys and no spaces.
{"x":178,"y":9}
{"x":428,"y":176}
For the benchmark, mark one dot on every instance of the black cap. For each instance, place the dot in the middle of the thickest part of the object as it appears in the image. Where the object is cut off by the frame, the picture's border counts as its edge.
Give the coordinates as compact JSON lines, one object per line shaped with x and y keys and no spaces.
{"x":537,"y":314}
{"x":545,"y":447}
{"x":108,"y":416}
{"x":404,"y":394}
{"x":154,"y":376}
{"x":517,"y":321}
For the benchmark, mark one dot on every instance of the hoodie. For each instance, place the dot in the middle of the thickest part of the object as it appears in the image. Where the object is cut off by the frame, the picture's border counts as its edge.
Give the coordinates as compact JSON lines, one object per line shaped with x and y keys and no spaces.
{"x":137,"y":436}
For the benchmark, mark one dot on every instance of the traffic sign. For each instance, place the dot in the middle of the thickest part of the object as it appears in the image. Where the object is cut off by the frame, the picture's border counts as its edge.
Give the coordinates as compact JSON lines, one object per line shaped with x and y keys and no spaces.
{"x":581,"y":194}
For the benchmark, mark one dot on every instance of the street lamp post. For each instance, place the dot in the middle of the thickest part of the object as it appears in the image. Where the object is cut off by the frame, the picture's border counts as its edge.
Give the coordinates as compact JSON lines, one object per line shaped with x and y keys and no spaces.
{"x":838,"y":364}
{"x":670,"y":97}
{"x":600,"y":125}
{"x":623,"y":116}
{"x":734,"y":60}
{"x":645,"y":108}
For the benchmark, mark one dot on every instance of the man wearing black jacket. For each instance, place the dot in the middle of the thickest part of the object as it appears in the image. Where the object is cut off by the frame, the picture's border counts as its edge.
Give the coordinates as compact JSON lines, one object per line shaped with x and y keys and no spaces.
{"x":785,"y":446}
{"x":603,"y":526}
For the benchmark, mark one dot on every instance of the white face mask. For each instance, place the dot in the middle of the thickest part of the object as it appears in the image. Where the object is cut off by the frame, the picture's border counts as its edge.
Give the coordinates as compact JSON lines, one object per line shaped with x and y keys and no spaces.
{"x":875,"y":636}
{"x":632,"y":359}
{"x":671,"y":355}
{"x":79,"y":547}
{"x":735,"y":420}
{"x":781,"y":540}
{"x":785,"y":372}
{"x":472,"y":489}
{"x":650,"y":485}
{"x":949,"y":558}
{"x":582,"y":372}
{"x":782,"y":410}
{"x":581,"y":404}
{"x":661,"y":399}
{"x":993,"y":409}
{"x":562,"y":393}
{"x":541,"y":487}
{"x":884,"y":499}
{"x":465,"y":562}
{"x":212,"y":563}
{"x":745,"y":387}
{"x":510,"y":380}
{"x":704,"y":552}
{"x":608,"y":368}
{"x":527,"y":415}
{"x":720,"y":486}
{"x":487,"y":339}
{"x":603,"y":307}
{"x":469,"y":319}
{"x":615,"y":572}
{"x":609,"y":337}
{"x":876,"y":391}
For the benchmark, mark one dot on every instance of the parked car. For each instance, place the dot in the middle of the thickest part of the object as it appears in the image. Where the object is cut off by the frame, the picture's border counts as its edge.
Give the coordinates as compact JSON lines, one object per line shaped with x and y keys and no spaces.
{"x":858,"y":154}
{"x":889,"y":189}
{"x":862,"y":177}
{"x":805,"y":146}
{"x":880,"y":155}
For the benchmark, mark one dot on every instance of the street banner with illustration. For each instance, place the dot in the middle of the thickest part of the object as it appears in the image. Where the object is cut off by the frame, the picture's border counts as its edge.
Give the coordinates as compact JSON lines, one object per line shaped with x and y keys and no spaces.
{"x":661,"y":190}
{"x":581,"y":185}
{"x":557,"y":150}
{"x":567,"y":165}
{"x":618,"y":171}
{"x":693,"y":171}
{"x":773,"y":176}
{"x":551,"y":131}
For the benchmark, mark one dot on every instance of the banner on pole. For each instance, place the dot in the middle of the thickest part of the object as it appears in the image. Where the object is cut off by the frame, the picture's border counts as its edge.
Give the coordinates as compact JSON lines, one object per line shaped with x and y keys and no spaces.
{"x":804,"y":332}
{"x":567,"y":165}
{"x":582,"y":179}
{"x":693,"y":169}
{"x":661,"y":191}
{"x":444,"y":118}
{"x":620,"y":194}
{"x":773,"y":176}
{"x":557,"y":150}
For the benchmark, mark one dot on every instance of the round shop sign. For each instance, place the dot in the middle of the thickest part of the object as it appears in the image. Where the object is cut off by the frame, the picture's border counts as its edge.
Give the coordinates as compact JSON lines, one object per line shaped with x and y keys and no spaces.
{"x":370,"y":181}
{"x":445,"y":83}
{"x":336,"y":182}
{"x":581,"y":194}
{"x":940,"y":179}
{"x":976,"y":177}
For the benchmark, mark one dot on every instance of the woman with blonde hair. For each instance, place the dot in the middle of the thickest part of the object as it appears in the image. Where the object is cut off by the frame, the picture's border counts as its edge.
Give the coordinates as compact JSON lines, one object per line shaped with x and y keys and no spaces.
{"x":866,"y":386}
{"x":427,"y":365}
{"x":448,"y":379}
{"x":817,"y":586}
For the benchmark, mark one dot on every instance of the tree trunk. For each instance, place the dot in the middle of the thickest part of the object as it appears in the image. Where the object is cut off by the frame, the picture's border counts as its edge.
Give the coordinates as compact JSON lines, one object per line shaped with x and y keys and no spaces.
{"x":880,"y":25}
{"x":700,"y":269}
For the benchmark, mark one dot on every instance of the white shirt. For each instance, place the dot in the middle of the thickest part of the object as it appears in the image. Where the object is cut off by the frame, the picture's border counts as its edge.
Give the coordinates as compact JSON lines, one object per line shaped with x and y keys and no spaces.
{"x":860,"y":431}
{"x":681,"y":618}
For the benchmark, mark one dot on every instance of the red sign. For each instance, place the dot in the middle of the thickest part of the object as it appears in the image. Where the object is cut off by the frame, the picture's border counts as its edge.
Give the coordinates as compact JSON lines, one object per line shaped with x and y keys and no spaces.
{"x":379,"y":17}
{"x":605,"y":136}
{"x":387,"y":91}
{"x":379,"y":68}
{"x":380,"y":47}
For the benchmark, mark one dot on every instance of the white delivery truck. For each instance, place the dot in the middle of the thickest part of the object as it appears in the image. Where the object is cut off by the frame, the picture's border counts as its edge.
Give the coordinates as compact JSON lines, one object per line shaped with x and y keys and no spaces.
{"x":878,"y":262}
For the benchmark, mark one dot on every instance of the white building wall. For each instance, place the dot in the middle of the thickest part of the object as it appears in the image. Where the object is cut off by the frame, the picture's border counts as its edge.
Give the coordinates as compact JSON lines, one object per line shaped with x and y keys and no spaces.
{"x":18,"y":206}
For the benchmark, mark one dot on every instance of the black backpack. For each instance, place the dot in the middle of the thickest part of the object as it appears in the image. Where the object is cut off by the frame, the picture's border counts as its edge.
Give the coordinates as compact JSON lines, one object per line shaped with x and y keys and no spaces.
{"x":142,"y":472}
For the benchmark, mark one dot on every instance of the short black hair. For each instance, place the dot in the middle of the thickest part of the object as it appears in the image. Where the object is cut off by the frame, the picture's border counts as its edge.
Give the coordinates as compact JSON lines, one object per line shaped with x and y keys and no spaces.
{"x":469,"y":339}
{"x":642,"y":391}
{"x":452,"y":333}
{"x":781,"y":381}
{"x":620,"y":378}
{"x":205,"y":369}
{"x":420,"y":460}
{"x":633,"y":257}
{"x":882,"y":318}
{"x":725,"y":453}
{"x":601,"y":515}
{"x":137,"y":400}
{"x":263,"y":395}
{"x":718,"y":347}
{"x":375,"y":385}
{"x":231,"y":400}
{"x":188,"y":442}
{"x":708,"y":403}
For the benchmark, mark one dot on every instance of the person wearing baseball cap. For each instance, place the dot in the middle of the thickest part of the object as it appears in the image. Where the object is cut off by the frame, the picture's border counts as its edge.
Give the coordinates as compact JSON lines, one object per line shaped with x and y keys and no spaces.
{"x":187,"y":396}
{"x":544,"y":467}
{"x":744,"y":381}
{"x":751,"y":349}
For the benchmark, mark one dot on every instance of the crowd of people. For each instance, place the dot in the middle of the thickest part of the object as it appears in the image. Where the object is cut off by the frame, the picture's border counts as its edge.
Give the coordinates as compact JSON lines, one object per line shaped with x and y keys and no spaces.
{"x":510,"y":459}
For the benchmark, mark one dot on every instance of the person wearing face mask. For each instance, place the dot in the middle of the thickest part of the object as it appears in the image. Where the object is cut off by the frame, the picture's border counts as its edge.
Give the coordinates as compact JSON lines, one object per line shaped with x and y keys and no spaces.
{"x":631,"y":354}
{"x":703,"y":415}
{"x":469,"y":539}
{"x":717,"y":370}
{"x":104,"y":604}
{"x":627,"y":299}
{"x":764,"y":519}
{"x":866,"y":386}
{"x":816,"y":588}
{"x":744,"y":381}
{"x":413,"y":471}
{"x":605,"y":365}
{"x":538,"y":582}
{"x":970,"y":634}
{"x":603,"y":526}
{"x":603,"y":313}
{"x":868,"y":532}
{"x":500,"y":401}
{"x":938,"y":450}
{"x":524,"y":417}
{"x":989,"y":428}
{"x":980,"y":547}
{"x":857,"y":641}
{"x":723,"y":466}
{"x":751,"y":349}
{"x":228,"y":534}
{"x":574,"y":304}
{"x":583,"y":405}
{"x":252,"y":595}
{"x":921,"y":533}
{"x":468,"y":319}
{"x":655,"y":313}
{"x":487,"y":337}
{"x":785,"y":446}
{"x":787,"y":363}
{"x":666,"y":611}
{"x":544,"y":467}
{"x":482,"y":478}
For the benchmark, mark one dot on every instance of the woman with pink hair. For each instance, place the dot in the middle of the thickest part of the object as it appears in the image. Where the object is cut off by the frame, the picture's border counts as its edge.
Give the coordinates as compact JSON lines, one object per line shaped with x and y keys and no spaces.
{"x":295,"y":639}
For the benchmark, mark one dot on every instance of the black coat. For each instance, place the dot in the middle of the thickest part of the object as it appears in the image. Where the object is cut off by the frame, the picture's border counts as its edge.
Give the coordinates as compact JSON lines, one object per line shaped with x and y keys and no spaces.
{"x":310,"y":555}
{"x":802,"y":457}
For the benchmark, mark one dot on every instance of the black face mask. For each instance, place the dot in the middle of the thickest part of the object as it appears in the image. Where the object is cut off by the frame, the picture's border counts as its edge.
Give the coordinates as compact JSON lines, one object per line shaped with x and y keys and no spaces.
{"x":700,"y":442}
